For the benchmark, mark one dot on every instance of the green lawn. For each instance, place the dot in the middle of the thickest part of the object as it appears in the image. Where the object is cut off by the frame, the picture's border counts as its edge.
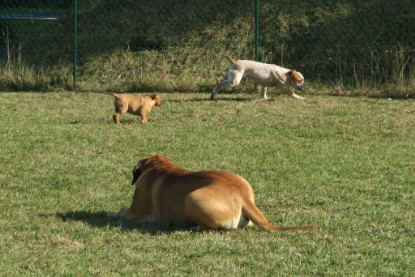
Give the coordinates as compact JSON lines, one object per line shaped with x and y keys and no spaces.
{"x":344,"y":164}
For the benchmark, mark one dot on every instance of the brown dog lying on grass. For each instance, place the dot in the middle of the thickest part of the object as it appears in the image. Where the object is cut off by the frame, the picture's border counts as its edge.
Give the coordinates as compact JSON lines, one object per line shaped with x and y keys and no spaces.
{"x":166,"y":193}
{"x":137,"y":105}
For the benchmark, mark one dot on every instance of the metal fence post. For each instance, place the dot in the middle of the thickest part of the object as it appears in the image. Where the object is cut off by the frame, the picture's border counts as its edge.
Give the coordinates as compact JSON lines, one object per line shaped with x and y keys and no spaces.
{"x":256,"y":29}
{"x":75,"y":42}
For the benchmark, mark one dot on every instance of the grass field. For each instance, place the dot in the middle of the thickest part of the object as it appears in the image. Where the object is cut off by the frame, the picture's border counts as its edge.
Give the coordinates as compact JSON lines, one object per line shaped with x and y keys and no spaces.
{"x":344,"y":164}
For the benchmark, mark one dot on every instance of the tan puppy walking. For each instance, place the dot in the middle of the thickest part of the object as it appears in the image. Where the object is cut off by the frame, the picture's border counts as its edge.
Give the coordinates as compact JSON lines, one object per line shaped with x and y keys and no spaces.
{"x":137,"y":105}
{"x":166,"y":193}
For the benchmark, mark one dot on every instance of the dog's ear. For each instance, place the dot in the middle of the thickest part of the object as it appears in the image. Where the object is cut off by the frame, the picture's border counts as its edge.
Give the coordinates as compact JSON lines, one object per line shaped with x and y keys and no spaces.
{"x":294,"y":75}
{"x":290,"y":73}
{"x":136,"y":173}
{"x":152,"y":95}
{"x":157,"y":98}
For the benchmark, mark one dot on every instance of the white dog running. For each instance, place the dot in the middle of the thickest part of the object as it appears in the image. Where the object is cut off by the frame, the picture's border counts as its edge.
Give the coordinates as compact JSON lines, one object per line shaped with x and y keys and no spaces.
{"x":266,"y":75}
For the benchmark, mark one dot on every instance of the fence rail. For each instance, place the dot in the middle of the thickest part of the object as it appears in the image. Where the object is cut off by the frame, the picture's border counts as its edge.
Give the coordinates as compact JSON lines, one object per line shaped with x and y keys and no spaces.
{"x":31,"y":15}
{"x":126,"y":45}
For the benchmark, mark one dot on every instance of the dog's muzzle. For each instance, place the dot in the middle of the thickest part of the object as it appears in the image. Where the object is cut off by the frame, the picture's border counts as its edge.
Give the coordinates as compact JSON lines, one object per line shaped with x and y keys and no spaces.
{"x":301,"y":86}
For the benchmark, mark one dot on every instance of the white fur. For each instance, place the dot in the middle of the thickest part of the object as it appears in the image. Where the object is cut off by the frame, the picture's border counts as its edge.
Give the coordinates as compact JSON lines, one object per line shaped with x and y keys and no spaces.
{"x":266,"y":75}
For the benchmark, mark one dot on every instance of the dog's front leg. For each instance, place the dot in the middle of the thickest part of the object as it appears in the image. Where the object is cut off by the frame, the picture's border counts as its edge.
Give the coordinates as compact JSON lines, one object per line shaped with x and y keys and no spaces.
{"x":144,"y":119}
{"x":297,"y":96}
{"x":264,"y":93}
{"x":288,"y":91}
{"x":145,"y":110}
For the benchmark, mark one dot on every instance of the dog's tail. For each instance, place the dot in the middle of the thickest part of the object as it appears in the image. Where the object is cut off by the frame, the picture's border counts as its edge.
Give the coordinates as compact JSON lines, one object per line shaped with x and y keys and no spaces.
{"x":230,"y":59}
{"x":252,"y":213}
{"x":107,"y":93}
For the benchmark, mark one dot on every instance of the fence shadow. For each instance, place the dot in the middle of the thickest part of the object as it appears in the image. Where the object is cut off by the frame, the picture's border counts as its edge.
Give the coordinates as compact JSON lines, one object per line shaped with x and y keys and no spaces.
{"x":100,"y":219}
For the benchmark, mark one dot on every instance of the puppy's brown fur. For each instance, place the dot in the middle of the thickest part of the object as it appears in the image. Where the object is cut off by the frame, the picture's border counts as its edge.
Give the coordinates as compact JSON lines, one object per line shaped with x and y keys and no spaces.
{"x":137,"y":105}
{"x":165,"y":193}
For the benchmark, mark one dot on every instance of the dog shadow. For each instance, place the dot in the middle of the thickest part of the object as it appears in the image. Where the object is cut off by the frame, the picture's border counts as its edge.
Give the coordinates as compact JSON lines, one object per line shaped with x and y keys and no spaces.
{"x":102,"y":220}
{"x":217,"y":99}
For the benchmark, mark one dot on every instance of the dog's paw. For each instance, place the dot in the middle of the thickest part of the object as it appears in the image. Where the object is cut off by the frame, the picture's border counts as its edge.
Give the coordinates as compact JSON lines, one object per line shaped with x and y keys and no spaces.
{"x":297,"y":96}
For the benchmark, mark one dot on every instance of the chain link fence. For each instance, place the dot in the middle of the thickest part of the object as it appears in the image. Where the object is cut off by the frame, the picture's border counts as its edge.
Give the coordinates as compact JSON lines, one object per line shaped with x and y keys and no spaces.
{"x":340,"y":46}
{"x":30,"y":29}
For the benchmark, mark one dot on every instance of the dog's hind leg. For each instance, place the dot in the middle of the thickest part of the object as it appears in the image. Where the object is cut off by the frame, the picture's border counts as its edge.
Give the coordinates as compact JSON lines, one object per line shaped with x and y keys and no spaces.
{"x":233,"y":78}
{"x":211,"y":212}
{"x":218,"y":87}
{"x":143,"y":115}
{"x":120,"y":109}
{"x":116,"y":117}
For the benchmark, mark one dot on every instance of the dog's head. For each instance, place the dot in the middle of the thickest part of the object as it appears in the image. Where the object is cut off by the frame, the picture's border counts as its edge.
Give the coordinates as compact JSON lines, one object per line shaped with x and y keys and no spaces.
{"x":148,"y":164}
{"x":296,"y":79}
{"x":156,"y":98}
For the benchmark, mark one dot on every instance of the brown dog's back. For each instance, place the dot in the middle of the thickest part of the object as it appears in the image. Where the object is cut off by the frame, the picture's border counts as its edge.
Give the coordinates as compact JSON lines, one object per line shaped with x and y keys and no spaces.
{"x":133,"y":104}
{"x":166,"y":193}
{"x":231,"y":198}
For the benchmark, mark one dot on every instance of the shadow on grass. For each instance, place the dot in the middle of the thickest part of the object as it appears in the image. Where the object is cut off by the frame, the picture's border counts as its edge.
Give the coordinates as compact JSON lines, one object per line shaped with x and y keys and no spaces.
{"x":217,"y":99}
{"x":102,"y":220}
